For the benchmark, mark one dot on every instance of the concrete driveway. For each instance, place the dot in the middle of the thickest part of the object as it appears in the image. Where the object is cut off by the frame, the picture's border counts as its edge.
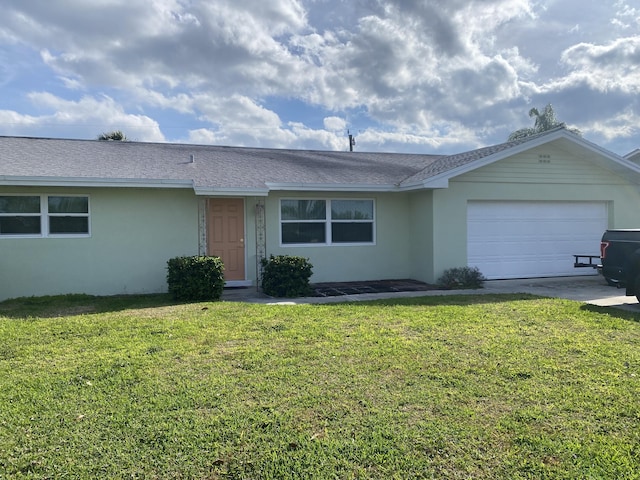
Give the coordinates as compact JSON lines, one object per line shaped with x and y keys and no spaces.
{"x":591,"y":289}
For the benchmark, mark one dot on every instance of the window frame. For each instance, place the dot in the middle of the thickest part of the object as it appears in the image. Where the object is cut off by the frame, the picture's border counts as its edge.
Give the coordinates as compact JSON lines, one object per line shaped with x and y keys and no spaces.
{"x":328,"y":222}
{"x":44,"y":216}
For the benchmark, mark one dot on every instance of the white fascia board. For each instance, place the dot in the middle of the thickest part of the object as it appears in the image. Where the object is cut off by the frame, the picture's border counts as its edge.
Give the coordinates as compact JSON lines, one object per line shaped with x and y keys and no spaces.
{"x":92,"y":182}
{"x":605,"y":153}
{"x":632,"y":154}
{"x":230,"y":192}
{"x":432,"y":183}
{"x":328,"y":187}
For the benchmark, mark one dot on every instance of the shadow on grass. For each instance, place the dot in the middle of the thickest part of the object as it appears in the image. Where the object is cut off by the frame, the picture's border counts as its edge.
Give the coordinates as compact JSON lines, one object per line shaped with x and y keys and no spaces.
{"x":468,"y":299}
{"x":79,"y":304}
{"x":446,"y":299}
{"x":612,"y":312}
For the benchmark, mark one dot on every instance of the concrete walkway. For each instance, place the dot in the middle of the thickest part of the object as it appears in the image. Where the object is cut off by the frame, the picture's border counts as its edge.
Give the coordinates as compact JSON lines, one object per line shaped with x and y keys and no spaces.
{"x":590,"y":289}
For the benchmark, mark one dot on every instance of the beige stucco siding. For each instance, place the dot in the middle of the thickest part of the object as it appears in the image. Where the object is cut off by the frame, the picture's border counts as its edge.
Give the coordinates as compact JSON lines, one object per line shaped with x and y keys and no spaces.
{"x":133,"y":234}
{"x":388,"y":258}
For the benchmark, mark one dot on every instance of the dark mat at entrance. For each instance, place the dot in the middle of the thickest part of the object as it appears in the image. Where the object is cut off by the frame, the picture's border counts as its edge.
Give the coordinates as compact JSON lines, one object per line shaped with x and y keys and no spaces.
{"x":334,"y":289}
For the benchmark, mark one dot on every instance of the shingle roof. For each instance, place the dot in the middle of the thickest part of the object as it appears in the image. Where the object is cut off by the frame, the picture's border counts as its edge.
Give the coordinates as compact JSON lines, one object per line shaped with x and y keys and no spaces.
{"x":25,"y":160}
{"x":213,"y":166}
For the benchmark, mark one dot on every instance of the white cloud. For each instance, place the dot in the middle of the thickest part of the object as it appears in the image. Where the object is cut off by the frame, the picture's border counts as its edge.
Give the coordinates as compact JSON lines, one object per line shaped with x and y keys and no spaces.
{"x":440,"y":138}
{"x":15,"y":123}
{"x":605,"y":67}
{"x":179,"y":102}
{"x":250,"y":124}
{"x":400,"y":61}
{"x":318,"y":139}
{"x":423,"y":73}
{"x":335,"y":124}
{"x":238,"y":120}
{"x":90,"y":115}
{"x":237,"y":111}
{"x":626,"y":124}
{"x":626,"y":16}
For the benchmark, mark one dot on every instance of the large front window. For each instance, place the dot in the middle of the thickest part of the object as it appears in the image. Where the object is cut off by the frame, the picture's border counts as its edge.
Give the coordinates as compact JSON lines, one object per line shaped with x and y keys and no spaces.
{"x":44,"y":215}
{"x":327,"y":222}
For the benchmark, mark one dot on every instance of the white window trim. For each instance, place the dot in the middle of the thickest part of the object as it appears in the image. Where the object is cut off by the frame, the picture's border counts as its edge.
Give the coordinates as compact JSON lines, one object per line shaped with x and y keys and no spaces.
{"x":44,"y":216}
{"x":327,"y":223}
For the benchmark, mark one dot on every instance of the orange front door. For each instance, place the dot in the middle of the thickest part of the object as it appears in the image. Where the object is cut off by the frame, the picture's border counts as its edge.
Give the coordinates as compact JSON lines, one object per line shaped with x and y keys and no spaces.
{"x":225,"y":235}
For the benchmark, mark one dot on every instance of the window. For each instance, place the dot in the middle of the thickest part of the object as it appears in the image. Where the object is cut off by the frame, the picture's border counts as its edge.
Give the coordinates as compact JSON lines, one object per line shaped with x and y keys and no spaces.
{"x":303,"y":221}
{"x":68,"y":215}
{"x":43,"y":215}
{"x":20,"y":215}
{"x":351,"y":221}
{"x":326,"y":222}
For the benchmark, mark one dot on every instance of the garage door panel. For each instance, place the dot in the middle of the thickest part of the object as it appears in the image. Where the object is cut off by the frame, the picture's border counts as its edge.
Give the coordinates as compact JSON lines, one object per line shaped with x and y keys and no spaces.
{"x":537,"y":267}
{"x":533,"y":239}
{"x":561,"y":245}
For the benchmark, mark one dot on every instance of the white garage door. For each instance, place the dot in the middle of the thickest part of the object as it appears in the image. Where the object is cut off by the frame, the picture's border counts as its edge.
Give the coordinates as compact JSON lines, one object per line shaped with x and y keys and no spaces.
{"x":533,"y":239}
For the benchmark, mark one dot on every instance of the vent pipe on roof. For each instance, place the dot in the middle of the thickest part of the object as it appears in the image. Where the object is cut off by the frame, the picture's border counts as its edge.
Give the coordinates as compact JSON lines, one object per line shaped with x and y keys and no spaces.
{"x":192,"y":158}
{"x":352,"y":141}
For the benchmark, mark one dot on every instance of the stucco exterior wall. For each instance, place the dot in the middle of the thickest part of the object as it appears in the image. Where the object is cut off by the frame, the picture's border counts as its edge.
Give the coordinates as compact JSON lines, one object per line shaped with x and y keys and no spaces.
{"x":133,"y":234}
{"x":388,"y":258}
{"x":547,"y":174}
{"x":421,"y":214}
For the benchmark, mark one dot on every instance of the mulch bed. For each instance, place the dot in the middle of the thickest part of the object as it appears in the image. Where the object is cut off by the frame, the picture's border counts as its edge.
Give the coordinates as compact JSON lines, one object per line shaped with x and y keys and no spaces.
{"x":335,"y":289}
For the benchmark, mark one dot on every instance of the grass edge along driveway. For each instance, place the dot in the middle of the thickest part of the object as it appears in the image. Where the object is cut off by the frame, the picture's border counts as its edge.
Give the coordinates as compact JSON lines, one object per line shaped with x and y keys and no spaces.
{"x":487,"y":386}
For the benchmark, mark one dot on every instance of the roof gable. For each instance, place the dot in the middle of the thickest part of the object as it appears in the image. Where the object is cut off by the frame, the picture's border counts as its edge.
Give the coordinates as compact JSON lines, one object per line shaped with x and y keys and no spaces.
{"x":440,"y":172}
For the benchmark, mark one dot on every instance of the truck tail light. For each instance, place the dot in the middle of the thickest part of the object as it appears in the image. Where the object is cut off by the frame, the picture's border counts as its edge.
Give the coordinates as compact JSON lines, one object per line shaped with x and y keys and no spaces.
{"x":603,"y":249}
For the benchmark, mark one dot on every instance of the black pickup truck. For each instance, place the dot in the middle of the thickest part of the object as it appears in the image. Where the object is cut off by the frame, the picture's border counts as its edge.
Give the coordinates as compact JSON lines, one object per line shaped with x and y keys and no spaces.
{"x":620,"y":257}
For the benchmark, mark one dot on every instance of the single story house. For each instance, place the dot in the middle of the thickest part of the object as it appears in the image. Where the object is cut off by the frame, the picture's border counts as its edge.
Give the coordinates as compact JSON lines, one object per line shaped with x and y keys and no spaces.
{"x":103,"y":217}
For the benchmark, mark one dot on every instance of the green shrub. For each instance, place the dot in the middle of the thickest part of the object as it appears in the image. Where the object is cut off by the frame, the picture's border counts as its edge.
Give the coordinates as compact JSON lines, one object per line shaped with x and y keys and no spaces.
{"x":195,"y":278}
{"x":286,"y":276}
{"x":461,"y":277}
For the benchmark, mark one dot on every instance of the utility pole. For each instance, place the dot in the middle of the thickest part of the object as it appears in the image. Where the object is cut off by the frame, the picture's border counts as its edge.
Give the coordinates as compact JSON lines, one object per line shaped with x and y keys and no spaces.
{"x":352,"y":141}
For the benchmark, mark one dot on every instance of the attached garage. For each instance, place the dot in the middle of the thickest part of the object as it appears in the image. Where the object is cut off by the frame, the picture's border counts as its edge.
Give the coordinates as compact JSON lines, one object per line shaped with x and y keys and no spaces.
{"x":525,"y":239}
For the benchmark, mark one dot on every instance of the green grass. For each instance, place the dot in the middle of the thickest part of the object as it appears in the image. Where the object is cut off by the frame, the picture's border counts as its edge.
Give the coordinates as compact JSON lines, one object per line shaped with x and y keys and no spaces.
{"x":476,"y":387}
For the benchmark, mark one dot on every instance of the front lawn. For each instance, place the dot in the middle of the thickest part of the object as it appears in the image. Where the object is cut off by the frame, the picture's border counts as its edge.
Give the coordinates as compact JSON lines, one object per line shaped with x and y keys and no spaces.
{"x":486,"y":386}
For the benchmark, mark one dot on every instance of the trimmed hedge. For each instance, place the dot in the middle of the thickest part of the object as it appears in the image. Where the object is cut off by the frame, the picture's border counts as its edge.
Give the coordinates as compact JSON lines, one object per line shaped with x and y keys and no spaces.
{"x":461,"y":277}
{"x":286,"y":276}
{"x":196,"y":278}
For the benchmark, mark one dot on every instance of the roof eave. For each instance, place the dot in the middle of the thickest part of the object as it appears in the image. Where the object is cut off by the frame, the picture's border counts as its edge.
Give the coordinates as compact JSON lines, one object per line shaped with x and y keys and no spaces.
{"x":327,"y":187}
{"x":433,"y":183}
{"x":26,"y":181}
{"x":230,"y":192}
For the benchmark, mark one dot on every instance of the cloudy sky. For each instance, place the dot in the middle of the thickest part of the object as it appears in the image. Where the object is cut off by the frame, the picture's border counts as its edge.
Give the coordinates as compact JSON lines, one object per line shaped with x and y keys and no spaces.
{"x":432,"y":76}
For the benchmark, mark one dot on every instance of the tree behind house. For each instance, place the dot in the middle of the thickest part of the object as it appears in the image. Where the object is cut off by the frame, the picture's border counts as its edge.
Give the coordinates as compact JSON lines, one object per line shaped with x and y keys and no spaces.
{"x":544,"y":121}
{"x":115,"y":135}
